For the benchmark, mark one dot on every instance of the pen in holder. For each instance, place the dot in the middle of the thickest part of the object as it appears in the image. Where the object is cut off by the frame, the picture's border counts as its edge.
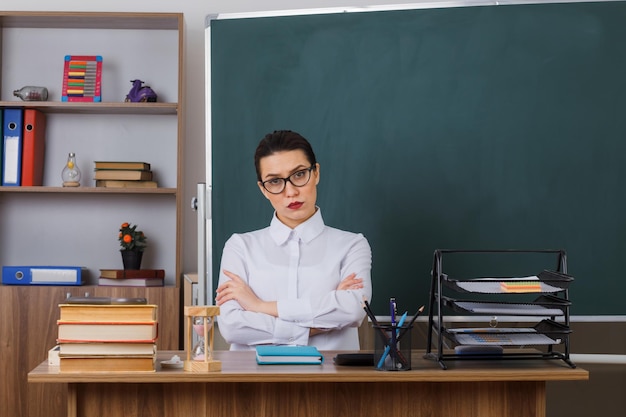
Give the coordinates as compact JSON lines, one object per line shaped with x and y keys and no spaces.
{"x":390,"y":356}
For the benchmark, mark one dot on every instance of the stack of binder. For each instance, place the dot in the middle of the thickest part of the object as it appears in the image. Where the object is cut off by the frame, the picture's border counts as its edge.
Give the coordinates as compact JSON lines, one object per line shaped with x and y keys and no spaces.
{"x":23,"y":146}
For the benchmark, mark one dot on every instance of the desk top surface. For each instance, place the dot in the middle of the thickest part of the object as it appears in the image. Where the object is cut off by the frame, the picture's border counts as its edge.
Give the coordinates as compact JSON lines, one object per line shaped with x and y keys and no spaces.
{"x":242,"y":367}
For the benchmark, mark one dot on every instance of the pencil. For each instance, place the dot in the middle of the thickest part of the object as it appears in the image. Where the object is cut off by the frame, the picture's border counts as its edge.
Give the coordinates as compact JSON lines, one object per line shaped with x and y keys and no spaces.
{"x":368,"y":310}
{"x":372,"y":317}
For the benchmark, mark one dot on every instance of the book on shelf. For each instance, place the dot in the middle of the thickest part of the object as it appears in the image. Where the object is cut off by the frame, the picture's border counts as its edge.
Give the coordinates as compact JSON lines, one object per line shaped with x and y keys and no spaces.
{"x":132,"y":273}
{"x":107,"y":313}
{"x":122,"y":174}
{"x":98,"y":331}
{"x":142,"y":166}
{"x":286,"y":354}
{"x":107,"y":364}
{"x":126,"y":184}
{"x":130,"y":282}
{"x":106,"y":349}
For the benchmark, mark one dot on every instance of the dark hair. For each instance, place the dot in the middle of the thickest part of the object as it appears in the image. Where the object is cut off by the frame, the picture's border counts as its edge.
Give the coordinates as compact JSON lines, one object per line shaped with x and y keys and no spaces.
{"x":279,"y":141}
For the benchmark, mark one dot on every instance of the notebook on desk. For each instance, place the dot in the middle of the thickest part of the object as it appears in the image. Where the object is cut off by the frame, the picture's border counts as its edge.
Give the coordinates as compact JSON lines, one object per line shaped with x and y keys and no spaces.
{"x":288,"y":355}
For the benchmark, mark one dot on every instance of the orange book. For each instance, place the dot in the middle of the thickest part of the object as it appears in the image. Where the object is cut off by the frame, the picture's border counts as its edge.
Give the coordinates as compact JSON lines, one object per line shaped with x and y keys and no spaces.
{"x":107,"y":313}
{"x":33,"y":147}
{"x":107,"y":364}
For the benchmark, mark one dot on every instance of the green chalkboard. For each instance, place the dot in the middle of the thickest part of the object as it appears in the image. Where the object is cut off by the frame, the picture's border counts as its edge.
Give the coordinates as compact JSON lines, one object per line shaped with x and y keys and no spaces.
{"x":490,"y":127}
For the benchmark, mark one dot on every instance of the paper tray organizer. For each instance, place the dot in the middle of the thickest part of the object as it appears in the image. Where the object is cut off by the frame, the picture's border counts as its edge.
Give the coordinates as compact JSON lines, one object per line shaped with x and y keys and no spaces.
{"x":542,"y":297}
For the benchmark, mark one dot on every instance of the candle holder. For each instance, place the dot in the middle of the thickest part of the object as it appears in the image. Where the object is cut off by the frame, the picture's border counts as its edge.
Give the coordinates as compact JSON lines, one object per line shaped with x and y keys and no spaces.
{"x":203,"y":363}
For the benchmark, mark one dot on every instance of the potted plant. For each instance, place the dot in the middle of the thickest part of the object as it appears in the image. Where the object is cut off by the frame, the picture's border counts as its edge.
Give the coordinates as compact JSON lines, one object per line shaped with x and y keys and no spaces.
{"x":133,"y":243}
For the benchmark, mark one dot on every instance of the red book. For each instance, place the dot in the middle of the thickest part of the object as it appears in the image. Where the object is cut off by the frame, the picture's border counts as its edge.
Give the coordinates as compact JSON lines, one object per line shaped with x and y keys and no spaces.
{"x":33,"y":147}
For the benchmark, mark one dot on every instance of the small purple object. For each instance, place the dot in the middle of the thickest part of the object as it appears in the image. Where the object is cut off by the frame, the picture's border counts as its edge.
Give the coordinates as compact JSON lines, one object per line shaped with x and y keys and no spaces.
{"x":141,"y":93}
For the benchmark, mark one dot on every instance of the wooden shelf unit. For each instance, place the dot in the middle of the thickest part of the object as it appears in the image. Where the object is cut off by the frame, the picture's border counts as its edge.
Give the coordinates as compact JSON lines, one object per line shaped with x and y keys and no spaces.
{"x":152,"y":132}
{"x":53,"y":225}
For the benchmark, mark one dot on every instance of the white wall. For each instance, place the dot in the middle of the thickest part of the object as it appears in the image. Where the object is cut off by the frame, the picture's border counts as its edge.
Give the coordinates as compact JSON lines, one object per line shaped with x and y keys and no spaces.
{"x":195,"y":12}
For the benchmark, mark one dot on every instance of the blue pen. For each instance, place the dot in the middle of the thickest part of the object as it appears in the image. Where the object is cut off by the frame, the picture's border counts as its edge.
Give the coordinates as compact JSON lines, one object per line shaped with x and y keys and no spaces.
{"x":402,"y":320}
{"x":394,"y":313}
{"x":388,"y":347}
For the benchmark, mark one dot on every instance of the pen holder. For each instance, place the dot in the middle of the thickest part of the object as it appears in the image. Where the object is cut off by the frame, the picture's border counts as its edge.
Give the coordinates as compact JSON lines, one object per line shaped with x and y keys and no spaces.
{"x":387,"y":355}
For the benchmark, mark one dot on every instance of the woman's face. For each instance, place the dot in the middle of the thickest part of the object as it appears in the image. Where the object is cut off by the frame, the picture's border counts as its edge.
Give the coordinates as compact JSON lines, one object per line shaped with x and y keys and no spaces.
{"x":293,"y":205}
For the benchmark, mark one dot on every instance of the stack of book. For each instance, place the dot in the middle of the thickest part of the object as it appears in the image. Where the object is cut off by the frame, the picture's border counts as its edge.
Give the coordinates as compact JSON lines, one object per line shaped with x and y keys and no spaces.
{"x":107,"y":337}
{"x":123,"y":174}
{"x":132,"y":277}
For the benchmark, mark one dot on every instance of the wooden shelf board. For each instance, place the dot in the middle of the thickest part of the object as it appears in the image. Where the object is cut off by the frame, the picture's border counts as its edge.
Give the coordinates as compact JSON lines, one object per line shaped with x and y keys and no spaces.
{"x":95,"y":108}
{"x":89,"y":20}
{"x":88,"y":190}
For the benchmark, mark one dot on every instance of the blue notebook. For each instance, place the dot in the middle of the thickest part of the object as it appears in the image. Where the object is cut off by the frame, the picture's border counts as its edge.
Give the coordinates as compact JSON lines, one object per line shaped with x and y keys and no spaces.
{"x":288,"y":355}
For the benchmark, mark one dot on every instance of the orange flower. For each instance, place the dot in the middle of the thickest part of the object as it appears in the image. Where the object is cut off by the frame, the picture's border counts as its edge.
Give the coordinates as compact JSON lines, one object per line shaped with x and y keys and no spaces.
{"x":130,"y":238}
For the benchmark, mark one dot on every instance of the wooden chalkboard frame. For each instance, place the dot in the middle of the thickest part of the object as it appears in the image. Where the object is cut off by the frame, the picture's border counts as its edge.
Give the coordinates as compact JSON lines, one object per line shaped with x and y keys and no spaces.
{"x":566,"y":139}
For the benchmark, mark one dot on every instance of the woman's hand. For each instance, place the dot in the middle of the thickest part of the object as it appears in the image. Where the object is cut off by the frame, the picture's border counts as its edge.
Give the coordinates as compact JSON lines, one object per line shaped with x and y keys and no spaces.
{"x":237,"y":289}
{"x":351,"y":282}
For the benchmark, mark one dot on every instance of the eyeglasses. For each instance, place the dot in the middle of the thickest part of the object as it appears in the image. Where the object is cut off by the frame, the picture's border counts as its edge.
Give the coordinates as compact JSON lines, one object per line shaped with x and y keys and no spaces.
{"x":297,"y":179}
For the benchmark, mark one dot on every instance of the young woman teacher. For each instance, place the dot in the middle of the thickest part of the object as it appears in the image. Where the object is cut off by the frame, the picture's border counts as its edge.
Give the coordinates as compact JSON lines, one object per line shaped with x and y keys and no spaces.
{"x":297,"y":281}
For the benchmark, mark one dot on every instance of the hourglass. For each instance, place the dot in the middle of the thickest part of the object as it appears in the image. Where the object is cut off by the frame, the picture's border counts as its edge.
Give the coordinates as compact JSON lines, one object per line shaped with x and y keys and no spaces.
{"x":200,"y":319}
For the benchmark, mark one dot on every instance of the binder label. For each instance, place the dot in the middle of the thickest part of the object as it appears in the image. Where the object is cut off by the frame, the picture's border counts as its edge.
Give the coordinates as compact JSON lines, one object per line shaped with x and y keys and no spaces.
{"x":11,"y":152}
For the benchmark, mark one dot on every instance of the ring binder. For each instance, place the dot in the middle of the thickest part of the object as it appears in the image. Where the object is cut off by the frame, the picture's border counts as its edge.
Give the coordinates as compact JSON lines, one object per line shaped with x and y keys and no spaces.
{"x":42,"y":275}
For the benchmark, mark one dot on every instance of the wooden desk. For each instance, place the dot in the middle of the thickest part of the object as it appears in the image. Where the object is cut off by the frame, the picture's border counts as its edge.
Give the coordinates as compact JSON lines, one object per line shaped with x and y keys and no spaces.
{"x":243,"y":388}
